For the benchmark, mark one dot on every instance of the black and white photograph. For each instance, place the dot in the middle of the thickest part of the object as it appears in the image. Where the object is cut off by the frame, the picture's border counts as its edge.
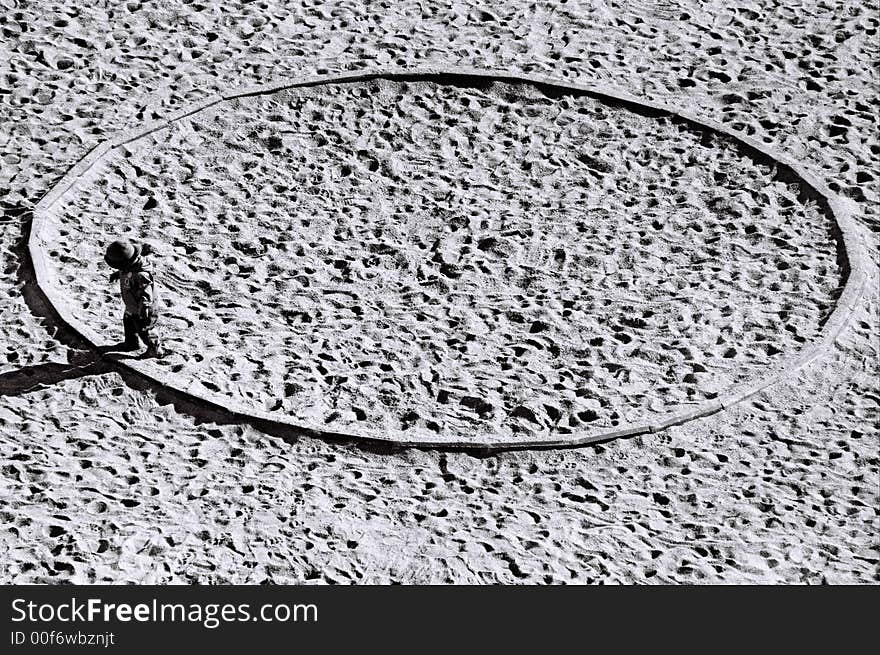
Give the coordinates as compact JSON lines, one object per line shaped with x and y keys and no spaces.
{"x":434,"y":293}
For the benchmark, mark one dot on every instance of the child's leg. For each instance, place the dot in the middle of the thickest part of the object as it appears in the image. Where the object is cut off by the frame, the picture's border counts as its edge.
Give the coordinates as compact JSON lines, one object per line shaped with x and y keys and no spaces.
{"x":129,"y":324}
{"x":150,"y":338}
{"x":149,"y":335}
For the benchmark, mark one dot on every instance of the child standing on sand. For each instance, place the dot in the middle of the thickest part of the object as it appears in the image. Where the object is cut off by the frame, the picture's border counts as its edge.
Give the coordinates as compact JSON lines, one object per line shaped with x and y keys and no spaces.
{"x":138,"y":295}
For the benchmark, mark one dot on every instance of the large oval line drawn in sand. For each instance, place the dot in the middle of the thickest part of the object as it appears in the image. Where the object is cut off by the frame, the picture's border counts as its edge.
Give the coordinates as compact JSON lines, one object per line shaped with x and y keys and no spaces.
{"x":545,"y":266}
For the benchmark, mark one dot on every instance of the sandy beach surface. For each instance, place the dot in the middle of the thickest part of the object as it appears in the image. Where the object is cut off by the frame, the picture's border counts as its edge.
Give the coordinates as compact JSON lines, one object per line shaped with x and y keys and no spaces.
{"x":441,"y":259}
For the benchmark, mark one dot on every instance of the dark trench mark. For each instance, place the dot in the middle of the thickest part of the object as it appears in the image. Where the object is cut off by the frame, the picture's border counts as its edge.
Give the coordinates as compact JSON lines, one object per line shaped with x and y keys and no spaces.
{"x":204,"y":411}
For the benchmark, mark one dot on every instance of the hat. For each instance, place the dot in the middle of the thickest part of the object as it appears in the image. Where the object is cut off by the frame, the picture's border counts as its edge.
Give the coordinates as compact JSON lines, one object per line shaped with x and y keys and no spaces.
{"x":121,"y":253}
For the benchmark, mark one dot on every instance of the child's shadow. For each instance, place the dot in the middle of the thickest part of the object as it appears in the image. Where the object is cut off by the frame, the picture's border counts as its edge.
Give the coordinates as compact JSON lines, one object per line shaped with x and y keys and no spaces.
{"x":33,"y":378}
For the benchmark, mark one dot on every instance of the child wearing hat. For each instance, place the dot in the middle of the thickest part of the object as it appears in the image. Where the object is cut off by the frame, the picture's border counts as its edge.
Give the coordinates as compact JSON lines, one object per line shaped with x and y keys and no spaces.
{"x":138,"y":295}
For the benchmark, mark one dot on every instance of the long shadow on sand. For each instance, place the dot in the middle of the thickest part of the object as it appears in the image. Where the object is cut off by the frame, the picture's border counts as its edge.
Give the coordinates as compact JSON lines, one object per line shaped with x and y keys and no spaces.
{"x":38,"y":376}
{"x":83,"y":361}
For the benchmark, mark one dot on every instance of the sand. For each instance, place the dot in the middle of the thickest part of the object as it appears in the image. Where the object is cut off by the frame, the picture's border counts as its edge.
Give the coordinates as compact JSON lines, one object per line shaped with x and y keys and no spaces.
{"x":106,"y":482}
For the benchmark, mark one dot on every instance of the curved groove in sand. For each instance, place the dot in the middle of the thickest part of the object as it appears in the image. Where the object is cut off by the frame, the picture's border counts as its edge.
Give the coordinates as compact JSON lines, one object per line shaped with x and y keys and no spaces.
{"x":852,"y":253}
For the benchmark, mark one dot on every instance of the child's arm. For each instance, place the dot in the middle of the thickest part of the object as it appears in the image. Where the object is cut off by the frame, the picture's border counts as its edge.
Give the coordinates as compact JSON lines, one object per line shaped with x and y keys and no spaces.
{"x":142,"y":285}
